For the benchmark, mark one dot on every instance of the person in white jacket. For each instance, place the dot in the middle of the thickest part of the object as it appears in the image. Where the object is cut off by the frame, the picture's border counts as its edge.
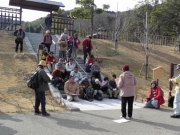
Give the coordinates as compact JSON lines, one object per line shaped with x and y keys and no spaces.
{"x":70,"y":66}
{"x":76,"y":74}
{"x":176,"y":104}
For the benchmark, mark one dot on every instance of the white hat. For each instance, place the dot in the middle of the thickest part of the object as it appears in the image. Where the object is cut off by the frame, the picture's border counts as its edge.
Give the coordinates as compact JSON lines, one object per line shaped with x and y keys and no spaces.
{"x":96,"y":80}
{"x":47,"y":31}
{"x":65,"y":28}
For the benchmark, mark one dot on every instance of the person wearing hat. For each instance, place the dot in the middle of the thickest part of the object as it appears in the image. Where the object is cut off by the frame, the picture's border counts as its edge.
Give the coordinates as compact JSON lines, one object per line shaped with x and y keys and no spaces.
{"x":113,"y":91}
{"x":77,"y":75}
{"x":62,"y":47}
{"x":65,"y":34}
{"x":71,"y":88}
{"x":51,"y":61}
{"x":126,"y":85}
{"x":63,"y":68}
{"x":98,"y":94}
{"x":47,"y":40}
{"x":69,"y":45}
{"x":86,"y":90}
{"x":95,"y":70}
{"x":76,"y":43}
{"x":70,"y":66}
{"x":43,"y":79}
{"x":155,"y":98}
{"x":57,"y":76}
{"x":87,"y":47}
{"x":176,"y":104}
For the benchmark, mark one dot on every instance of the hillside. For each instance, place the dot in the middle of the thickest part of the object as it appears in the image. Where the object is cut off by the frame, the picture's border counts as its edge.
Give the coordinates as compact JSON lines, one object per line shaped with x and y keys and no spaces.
{"x":15,"y":96}
{"x":133,"y":55}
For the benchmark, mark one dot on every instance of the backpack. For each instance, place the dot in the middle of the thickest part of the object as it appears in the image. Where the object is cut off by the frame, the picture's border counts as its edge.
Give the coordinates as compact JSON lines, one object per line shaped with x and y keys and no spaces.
{"x":171,"y":101}
{"x":162,"y":93}
{"x":32,"y":81}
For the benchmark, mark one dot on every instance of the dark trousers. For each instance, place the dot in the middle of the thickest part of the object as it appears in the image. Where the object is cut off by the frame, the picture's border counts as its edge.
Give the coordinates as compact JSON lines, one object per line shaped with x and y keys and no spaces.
{"x":124,"y":101}
{"x":85,"y":54}
{"x":17,"y":45}
{"x":40,"y":99}
{"x":48,"y":46}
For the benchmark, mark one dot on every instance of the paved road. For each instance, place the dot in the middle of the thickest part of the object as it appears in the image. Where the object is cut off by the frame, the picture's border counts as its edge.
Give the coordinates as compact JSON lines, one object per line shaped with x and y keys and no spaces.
{"x":144,"y":122}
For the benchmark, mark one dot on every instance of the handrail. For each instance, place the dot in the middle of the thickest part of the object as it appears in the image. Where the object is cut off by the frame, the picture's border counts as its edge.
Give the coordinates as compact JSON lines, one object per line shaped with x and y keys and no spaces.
{"x":74,"y":59}
{"x":6,"y":28}
{"x":42,"y":26}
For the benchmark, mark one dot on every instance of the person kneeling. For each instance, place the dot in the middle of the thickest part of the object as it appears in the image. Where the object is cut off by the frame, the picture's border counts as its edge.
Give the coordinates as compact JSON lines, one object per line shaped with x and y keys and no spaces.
{"x":98,"y":94}
{"x":71,"y":88}
{"x":86,"y":89}
{"x":155,"y":98}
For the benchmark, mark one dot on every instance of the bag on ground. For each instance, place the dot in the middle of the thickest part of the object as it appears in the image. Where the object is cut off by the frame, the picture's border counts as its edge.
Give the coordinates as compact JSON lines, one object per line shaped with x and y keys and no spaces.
{"x":171,"y":101}
{"x":32,"y":81}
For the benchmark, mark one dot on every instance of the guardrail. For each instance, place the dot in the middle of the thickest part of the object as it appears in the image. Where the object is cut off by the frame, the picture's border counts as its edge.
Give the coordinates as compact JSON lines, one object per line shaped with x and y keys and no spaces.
{"x":74,"y":59}
{"x":1,"y":31}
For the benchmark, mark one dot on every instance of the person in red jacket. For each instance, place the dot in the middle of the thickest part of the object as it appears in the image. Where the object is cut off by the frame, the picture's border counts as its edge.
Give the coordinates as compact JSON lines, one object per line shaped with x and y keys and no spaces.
{"x":47,"y":40}
{"x":87,"y":47}
{"x":51,"y":61}
{"x":155,"y":98}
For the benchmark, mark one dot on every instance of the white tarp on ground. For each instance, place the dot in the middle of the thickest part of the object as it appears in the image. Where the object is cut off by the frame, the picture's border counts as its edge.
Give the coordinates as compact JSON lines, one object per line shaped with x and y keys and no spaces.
{"x":105,"y":104}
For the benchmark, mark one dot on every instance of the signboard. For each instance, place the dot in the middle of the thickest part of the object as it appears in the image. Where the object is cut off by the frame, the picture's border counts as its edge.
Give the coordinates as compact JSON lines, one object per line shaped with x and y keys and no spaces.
{"x":158,"y":73}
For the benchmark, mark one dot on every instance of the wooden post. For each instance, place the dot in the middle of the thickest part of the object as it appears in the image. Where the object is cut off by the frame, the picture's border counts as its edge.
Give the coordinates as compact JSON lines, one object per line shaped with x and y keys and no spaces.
{"x":171,"y":75}
{"x":39,"y":53}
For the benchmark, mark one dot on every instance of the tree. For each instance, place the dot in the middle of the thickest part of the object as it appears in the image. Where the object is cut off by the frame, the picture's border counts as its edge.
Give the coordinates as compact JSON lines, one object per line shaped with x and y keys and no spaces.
{"x":87,"y":10}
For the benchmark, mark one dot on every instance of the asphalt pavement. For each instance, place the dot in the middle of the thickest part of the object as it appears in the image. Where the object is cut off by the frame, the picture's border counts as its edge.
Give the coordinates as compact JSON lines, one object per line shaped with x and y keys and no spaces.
{"x":145,"y":122}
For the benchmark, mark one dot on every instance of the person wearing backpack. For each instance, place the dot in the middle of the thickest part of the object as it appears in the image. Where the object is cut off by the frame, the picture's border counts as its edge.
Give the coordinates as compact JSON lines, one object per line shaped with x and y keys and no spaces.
{"x":43,"y":80}
{"x":155,"y":97}
{"x":20,"y":35}
{"x":86,"y":90}
{"x":176,"y":104}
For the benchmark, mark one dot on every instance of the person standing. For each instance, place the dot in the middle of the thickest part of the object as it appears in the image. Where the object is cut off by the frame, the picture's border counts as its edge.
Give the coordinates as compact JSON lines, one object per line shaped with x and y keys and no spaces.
{"x":65,"y":34}
{"x":87,"y":47}
{"x":176,"y":104}
{"x":47,"y":40}
{"x":20,"y":35}
{"x":62,"y":47}
{"x":126,"y":84}
{"x":76,"y":43}
{"x":48,"y":22}
{"x":43,"y":80}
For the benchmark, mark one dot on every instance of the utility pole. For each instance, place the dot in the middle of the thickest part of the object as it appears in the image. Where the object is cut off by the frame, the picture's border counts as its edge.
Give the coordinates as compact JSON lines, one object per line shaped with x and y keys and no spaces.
{"x":116,"y":32}
{"x":146,"y":48}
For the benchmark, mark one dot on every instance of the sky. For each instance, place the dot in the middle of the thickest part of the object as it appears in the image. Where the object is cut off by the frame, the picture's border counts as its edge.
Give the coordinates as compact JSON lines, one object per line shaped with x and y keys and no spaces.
{"x":30,"y":15}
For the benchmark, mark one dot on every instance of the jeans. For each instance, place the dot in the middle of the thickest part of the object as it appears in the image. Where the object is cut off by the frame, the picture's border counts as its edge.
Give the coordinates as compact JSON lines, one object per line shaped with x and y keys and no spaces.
{"x":56,"y":81}
{"x":74,"y":54}
{"x":51,"y":67}
{"x":40,"y":99}
{"x":152,"y":104}
{"x":124,"y":101}
{"x":176,"y":106}
{"x":17,"y":45}
{"x":62,"y":54}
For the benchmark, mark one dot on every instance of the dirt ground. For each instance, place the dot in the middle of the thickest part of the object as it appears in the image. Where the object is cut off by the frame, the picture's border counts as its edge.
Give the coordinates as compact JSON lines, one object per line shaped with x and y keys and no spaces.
{"x":15,"y":96}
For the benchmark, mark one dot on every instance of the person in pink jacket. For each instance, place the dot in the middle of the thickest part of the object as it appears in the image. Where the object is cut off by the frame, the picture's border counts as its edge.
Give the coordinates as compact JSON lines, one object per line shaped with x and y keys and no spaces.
{"x":126,"y":84}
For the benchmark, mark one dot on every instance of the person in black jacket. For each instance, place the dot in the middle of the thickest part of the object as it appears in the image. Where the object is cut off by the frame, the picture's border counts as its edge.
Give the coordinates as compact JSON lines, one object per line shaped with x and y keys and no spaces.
{"x":20,"y":34}
{"x":112,"y":88}
{"x":48,"y":22}
{"x":43,"y":80}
